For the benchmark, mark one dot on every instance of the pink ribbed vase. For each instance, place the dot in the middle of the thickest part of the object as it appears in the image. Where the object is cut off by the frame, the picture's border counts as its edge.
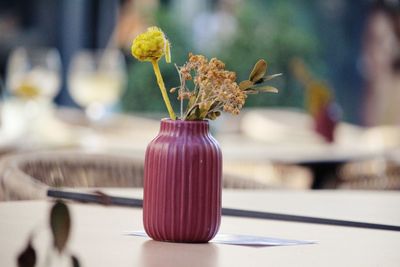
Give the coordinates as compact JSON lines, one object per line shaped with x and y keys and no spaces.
{"x":182,"y":183}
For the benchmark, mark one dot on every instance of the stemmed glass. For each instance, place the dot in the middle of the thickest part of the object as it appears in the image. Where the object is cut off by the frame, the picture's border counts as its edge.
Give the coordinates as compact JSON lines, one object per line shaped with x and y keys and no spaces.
{"x":34,"y":73}
{"x":33,"y":78}
{"x":96,"y":79}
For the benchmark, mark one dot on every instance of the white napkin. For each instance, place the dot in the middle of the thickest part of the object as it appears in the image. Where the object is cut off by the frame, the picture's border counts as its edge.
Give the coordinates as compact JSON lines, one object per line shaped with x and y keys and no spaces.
{"x":243,"y":240}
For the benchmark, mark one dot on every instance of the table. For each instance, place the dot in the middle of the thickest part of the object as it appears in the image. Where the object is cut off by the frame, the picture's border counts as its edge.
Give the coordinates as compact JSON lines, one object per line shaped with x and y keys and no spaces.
{"x":289,"y":137}
{"x":98,"y":232}
{"x":259,"y":139}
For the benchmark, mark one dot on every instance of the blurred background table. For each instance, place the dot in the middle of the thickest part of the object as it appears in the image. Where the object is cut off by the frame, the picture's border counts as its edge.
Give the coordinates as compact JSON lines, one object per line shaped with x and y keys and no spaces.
{"x":98,"y":237}
{"x":276,"y":148}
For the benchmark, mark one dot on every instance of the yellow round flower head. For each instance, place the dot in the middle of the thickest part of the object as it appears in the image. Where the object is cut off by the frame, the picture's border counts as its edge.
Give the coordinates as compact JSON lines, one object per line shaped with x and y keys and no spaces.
{"x":151,"y":45}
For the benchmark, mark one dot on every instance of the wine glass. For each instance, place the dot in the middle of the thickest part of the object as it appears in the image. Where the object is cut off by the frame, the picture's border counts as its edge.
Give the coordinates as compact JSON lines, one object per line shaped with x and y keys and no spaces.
{"x":34,"y":73}
{"x":96,"y":79}
{"x":33,"y":78}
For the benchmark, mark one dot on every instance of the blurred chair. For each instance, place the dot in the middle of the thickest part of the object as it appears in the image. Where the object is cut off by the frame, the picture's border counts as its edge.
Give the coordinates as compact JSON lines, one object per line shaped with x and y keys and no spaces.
{"x":28,"y":175}
{"x":377,"y":174}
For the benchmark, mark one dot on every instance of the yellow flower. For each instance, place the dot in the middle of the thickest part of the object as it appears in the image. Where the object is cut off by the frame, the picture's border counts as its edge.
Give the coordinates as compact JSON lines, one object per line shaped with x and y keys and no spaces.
{"x":151,"y":45}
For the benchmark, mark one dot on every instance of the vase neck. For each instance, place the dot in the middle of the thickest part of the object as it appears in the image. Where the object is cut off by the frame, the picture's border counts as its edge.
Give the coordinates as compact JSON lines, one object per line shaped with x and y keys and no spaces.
{"x":179,"y":127}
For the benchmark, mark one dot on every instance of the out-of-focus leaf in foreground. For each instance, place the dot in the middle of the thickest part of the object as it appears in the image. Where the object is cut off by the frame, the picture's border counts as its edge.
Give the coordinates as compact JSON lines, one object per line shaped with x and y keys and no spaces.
{"x":27,"y":258}
{"x":75,"y":261}
{"x":60,"y":223}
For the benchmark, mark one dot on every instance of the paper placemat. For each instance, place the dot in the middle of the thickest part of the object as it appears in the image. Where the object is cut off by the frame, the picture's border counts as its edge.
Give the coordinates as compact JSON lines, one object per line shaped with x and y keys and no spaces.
{"x":243,"y":240}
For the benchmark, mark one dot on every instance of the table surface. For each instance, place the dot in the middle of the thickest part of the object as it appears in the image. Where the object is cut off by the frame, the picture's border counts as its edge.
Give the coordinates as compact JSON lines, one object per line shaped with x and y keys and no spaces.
{"x":98,"y":237}
{"x":282,"y":135}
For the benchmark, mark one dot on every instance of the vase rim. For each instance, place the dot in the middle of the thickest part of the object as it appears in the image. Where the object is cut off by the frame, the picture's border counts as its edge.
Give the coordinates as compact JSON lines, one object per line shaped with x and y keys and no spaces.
{"x":168,"y":120}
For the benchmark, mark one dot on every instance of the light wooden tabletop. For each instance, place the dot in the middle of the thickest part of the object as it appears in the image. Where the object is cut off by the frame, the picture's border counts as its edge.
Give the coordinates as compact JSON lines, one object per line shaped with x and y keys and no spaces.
{"x":98,"y":237}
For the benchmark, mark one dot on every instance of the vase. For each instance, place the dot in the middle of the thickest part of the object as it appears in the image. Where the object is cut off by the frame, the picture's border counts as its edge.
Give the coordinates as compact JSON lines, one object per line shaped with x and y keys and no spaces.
{"x":182,"y":183}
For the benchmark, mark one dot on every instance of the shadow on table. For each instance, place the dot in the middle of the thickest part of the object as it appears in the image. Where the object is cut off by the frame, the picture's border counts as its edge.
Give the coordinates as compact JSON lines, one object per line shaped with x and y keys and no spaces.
{"x":155,"y":254}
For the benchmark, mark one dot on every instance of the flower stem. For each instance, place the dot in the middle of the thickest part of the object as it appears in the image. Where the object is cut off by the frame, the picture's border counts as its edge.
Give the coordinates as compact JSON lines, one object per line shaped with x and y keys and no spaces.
{"x":163,"y":90}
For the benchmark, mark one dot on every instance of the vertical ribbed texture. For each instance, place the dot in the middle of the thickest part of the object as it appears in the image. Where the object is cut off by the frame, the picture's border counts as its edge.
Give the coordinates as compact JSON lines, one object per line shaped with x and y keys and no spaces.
{"x":182,"y":183}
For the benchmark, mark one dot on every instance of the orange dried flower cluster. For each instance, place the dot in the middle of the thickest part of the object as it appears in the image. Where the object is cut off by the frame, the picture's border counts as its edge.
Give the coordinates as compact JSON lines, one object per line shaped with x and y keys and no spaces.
{"x":215,"y":89}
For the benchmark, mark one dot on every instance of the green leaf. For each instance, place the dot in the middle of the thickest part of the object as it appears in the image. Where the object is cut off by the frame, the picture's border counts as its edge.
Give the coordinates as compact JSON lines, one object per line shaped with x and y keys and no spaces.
{"x":243,"y":85}
{"x":266,"y":88}
{"x":27,"y":258}
{"x":195,"y":114}
{"x":203,"y":114}
{"x":213,"y":115}
{"x":204,"y":110}
{"x":192,"y":101}
{"x":267,"y":78}
{"x":259,"y":70}
{"x":191,"y":112}
{"x":60,"y":223}
{"x":251,"y":92}
{"x":214,"y":105}
{"x":270,"y":77}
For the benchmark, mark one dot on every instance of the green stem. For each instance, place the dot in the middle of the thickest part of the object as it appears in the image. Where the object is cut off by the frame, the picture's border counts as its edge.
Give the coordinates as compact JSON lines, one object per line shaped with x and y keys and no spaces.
{"x":163,"y":90}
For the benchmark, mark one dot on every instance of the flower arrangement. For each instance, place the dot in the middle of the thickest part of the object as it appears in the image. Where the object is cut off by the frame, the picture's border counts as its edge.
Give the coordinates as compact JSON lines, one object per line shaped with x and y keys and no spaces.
{"x":214,"y":89}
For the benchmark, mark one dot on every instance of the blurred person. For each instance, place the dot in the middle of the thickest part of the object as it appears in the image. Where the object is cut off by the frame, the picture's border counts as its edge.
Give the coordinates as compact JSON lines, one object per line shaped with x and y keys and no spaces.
{"x":381,"y":57}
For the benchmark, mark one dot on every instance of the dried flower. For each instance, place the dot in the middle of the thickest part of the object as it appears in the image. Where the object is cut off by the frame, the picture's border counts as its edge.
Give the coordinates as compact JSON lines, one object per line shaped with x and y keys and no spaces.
{"x":215,"y":89}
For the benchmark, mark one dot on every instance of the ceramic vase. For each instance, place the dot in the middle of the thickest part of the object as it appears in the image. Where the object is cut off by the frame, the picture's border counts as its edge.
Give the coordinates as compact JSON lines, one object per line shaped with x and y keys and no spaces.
{"x":182,"y":183}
